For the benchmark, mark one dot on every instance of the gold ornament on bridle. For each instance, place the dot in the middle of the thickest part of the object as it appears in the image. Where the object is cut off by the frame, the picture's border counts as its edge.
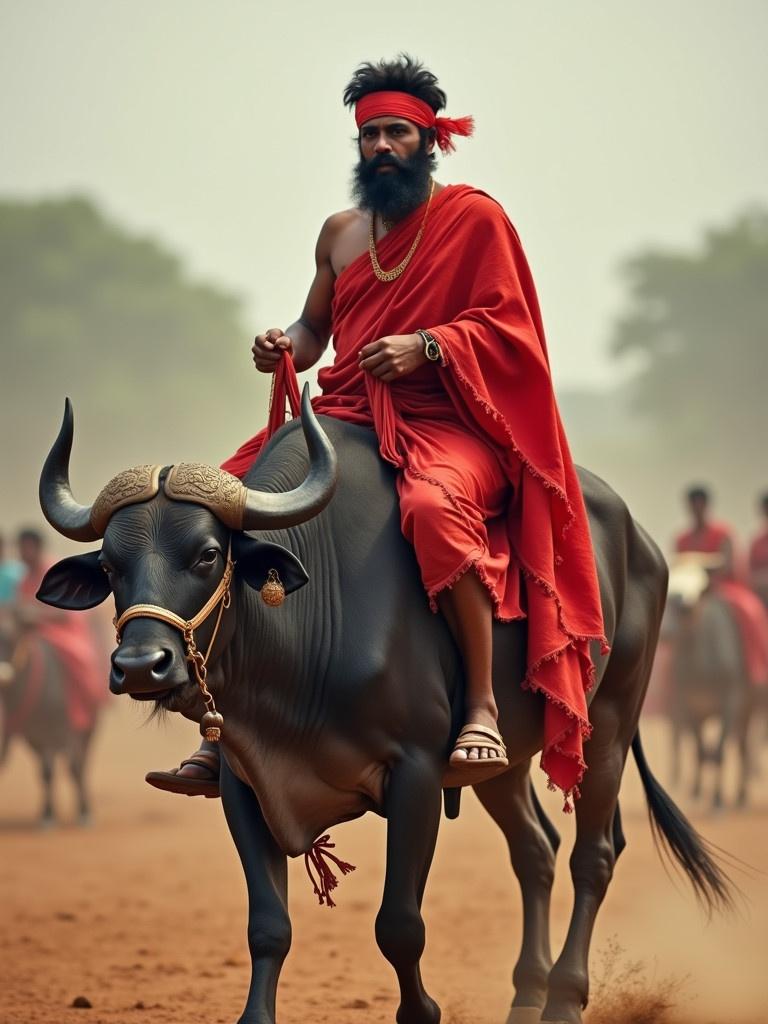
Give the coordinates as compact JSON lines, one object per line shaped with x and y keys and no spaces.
{"x":273,"y":591}
{"x":212,"y":721}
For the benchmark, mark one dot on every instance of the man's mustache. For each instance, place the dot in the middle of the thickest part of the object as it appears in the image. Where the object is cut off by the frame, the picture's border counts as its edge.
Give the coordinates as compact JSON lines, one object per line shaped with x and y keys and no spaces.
{"x":385,"y":160}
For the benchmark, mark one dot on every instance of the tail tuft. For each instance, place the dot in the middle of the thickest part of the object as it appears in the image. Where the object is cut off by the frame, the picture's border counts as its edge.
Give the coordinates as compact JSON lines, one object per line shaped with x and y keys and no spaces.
{"x":679,"y":841}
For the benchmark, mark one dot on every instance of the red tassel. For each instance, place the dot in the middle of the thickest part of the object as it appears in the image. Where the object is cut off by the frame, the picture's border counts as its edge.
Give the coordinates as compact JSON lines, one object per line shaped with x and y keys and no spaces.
{"x":326,"y":880}
{"x":445,"y":127}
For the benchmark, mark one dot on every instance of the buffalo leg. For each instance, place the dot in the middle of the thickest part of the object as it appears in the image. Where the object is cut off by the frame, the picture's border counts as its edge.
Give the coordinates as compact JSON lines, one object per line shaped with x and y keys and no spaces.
{"x":509,"y":801}
{"x":718,"y":754}
{"x":47,"y":817}
{"x":676,"y":742}
{"x":266,"y":875}
{"x":77,"y":763}
{"x":592,"y":861}
{"x":701,"y":757}
{"x":745,"y":751}
{"x":413,"y":816}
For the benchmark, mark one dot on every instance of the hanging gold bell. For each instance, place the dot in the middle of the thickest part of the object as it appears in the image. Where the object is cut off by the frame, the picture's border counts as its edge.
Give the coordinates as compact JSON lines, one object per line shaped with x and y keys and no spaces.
{"x":211,"y":725}
{"x":273,"y":591}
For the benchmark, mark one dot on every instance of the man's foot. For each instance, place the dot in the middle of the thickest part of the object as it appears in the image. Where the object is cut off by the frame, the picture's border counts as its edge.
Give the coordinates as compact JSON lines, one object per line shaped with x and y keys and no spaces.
{"x":198,"y":775}
{"x":478,"y":742}
{"x":478,"y":754}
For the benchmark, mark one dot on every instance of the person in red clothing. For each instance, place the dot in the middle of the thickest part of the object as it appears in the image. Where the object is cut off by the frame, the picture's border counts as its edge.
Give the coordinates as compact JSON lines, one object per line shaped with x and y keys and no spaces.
{"x":758,"y":555}
{"x":71,"y":634}
{"x":713,"y":538}
{"x":439,"y":348}
{"x":705,"y":535}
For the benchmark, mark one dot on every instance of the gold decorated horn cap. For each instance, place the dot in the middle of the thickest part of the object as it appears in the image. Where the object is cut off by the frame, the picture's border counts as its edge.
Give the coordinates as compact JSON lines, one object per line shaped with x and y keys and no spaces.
{"x":127,"y":488}
{"x":219,"y":491}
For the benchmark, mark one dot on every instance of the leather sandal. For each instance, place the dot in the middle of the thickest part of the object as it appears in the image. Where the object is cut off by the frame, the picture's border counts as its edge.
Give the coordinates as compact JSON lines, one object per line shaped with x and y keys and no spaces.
{"x":463,"y":771}
{"x":173,"y":782}
{"x":479,"y":737}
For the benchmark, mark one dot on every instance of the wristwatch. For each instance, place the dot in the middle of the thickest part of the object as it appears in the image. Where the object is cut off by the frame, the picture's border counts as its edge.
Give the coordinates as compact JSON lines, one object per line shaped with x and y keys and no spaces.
{"x":432,"y":350}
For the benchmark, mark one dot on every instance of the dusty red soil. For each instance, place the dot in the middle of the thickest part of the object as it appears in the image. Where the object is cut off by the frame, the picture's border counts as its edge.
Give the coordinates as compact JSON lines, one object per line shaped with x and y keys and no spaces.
{"x":144,"y":913}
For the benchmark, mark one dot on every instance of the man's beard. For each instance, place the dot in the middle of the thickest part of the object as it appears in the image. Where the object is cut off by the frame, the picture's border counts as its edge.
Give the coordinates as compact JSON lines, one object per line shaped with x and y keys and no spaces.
{"x":392,"y":194}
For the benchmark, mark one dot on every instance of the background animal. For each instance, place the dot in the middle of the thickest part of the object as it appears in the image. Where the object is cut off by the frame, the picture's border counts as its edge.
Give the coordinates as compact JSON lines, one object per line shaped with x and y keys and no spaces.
{"x":34,"y":707}
{"x":709,"y":684}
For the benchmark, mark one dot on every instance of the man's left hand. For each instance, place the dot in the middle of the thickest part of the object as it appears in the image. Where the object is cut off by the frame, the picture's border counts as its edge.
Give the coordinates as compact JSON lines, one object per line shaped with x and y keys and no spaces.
{"x":393,"y":357}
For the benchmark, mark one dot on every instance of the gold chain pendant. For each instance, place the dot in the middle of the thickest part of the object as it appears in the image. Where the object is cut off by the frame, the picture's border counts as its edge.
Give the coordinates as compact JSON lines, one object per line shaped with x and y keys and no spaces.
{"x":395,"y":272}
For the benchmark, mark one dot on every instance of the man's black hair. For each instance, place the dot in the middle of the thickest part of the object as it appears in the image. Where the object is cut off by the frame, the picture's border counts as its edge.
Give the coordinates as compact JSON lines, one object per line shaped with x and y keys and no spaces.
{"x":403,"y":74}
{"x":698,"y":493}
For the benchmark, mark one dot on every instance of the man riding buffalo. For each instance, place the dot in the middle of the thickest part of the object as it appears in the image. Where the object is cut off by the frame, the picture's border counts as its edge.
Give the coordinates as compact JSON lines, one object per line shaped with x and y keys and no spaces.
{"x":440,"y":429}
{"x":439,"y":348}
{"x":709,"y":537}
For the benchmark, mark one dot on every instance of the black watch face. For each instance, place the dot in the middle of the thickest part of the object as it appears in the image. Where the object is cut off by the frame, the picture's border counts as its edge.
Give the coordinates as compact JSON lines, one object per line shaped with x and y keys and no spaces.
{"x":433,"y":351}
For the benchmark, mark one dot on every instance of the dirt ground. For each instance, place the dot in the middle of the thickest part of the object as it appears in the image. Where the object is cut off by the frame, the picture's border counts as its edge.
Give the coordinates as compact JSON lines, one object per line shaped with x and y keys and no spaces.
{"x":144,"y":913}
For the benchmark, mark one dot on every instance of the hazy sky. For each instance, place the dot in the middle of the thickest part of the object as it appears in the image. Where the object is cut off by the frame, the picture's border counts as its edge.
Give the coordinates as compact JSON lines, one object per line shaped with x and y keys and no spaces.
{"x":218,"y":127}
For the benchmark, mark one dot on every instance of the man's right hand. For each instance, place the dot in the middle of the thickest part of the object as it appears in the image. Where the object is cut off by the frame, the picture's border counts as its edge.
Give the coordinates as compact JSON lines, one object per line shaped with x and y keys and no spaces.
{"x":268,"y":349}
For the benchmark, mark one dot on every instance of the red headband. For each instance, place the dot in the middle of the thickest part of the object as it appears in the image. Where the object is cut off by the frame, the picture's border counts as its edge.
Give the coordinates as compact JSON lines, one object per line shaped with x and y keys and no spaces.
{"x":402,"y":104}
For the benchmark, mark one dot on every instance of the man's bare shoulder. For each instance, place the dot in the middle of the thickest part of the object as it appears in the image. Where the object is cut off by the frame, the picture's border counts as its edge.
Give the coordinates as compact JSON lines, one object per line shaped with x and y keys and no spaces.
{"x":341,"y":221}
{"x":342,"y":238}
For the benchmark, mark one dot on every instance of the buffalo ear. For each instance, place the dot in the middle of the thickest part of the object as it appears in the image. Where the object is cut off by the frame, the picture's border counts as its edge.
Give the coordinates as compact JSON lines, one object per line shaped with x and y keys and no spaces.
{"x":256,"y":557}
{"x":75,"y":583}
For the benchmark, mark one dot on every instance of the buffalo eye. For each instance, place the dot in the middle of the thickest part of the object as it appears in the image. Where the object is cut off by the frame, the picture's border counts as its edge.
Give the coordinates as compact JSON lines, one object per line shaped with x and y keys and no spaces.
{"x":208,"y":558}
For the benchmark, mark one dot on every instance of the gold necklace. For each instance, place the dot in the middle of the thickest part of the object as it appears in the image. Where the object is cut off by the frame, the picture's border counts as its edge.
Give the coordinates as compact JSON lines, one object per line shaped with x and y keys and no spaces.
{"x":395,"y":272}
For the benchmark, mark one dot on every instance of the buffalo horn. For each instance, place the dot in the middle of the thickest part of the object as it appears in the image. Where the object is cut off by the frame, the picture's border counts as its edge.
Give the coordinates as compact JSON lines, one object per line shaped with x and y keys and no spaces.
{"x":59,"y":507}
{"x":265,"y":510}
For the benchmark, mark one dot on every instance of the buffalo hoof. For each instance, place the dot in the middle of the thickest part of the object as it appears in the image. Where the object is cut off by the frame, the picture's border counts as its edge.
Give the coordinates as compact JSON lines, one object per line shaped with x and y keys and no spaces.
{"x":427,"y":1012}
{"x":524,"y":1015}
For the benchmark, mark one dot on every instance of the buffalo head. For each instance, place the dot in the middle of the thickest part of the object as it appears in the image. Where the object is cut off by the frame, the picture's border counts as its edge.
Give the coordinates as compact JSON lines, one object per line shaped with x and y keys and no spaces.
{"x":168,"y":534}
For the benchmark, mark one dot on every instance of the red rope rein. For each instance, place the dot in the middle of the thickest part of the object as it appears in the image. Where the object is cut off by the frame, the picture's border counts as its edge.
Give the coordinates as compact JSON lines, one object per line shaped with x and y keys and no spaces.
{"x":285,"y":388}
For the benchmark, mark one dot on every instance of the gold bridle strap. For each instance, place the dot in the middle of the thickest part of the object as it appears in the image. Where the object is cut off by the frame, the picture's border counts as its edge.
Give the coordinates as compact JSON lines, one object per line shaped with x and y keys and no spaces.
{"x":212,"y":721}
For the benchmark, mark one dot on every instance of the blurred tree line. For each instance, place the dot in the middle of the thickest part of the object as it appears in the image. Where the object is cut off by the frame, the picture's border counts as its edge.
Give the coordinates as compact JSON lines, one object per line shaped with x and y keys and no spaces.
{"x":697,"y":327}
{"x":693,"y":338}
{"x":157,"y":364}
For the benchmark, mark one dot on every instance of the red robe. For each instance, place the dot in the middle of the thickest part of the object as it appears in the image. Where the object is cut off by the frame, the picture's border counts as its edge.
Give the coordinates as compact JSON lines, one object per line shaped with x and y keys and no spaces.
{"x":710,"y":539}
{"x":478,"y":440}
{"x":72,"y":636}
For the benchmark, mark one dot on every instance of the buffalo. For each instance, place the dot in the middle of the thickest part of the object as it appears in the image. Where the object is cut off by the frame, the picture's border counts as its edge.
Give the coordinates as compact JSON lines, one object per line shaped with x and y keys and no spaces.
{"x":709,"y":678}
{"x":347,"y":698}
{"x":33,"y":707}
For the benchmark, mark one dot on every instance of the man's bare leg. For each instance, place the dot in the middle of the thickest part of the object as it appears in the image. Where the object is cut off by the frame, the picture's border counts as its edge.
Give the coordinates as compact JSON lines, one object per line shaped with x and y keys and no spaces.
{"x":469,"y":613}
